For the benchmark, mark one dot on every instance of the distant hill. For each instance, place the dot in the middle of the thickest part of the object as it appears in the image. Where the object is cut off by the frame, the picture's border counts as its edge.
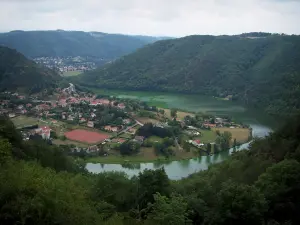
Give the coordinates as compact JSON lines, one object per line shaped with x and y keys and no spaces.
{"x":73,"y":43}
{"x":18,"y":72}
{"x":259,"y":69}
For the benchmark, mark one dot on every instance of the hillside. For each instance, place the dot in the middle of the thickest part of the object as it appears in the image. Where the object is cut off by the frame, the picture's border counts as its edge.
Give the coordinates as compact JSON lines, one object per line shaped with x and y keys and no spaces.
{"x":261,"y":70}
{"x":41,"y":184}
{"x":73,"y":43}
{"x":17,"y":72}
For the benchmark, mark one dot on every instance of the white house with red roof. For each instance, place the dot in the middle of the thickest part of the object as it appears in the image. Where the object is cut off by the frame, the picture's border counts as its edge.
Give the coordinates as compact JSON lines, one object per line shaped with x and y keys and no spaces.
{"x":44,"y":132}
{"x":197,"y":143}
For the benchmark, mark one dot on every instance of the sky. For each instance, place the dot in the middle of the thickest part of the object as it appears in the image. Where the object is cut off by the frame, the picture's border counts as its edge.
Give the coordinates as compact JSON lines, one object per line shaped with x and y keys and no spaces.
{"x":175,"y":18}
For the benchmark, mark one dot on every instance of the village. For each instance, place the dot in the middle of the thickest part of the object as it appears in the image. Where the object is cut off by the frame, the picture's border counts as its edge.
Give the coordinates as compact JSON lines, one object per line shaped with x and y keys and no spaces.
{"x":104,"y":128}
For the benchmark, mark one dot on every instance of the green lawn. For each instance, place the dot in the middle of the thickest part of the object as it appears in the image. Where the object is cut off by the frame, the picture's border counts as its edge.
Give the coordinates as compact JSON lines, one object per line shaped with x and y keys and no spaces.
{"x":71,"y":73}
{"x":125,"y":135}
{"x":21,"y":121}
{"x":155,"y":139}
{"x":207,"y":136}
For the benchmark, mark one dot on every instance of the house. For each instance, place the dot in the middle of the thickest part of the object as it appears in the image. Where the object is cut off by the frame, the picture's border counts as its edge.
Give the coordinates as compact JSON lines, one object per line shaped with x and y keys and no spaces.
{"x":218,"y":120}
{"x":44,"y":132}
{"x":93,"y":115}
{"x":121,"y":106}
{"x":131,"y":130}
{"x":11,"y":115}
{"x":90,"y":124}
{"x":207,"y":125}
{"x":82,"y":120}
{"x":111,"y":128}
{"x":28,"y":105}
{"x":23,"y":111}
{"x":192,"y":128}
{"x":196,"y":143}
{"x":93,"y":148}
{"x":20,"y":107}
{"x":42,"y":107}
{"x":70,"y":118}
{"x":126,"y":121}
{"x":139,"y":139}
{"x":118,"y":140}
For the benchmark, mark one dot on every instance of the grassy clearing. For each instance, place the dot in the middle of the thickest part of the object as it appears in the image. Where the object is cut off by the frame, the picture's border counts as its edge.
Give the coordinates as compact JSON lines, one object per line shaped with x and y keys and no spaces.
{"x":21,"y":121}
{"x":208,"y":136}
{"x":155,"y":139}
{"x":240,"y":134}
{"x":147,"y":120}
{"x":180,"y":114}
{"x":125,"y":135}
{"x":71,"y":73}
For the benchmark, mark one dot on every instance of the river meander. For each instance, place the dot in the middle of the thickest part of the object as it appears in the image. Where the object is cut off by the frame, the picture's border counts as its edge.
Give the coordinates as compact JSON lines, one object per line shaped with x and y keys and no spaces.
{"x":261,"y":124}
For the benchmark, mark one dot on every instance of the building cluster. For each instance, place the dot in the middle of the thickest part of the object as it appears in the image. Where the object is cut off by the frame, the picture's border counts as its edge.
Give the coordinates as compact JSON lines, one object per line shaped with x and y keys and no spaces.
{"x":65,"y":64}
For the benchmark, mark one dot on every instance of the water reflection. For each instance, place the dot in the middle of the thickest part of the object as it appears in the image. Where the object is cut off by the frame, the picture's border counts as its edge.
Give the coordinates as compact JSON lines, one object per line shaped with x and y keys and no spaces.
{"x":176,"y":169}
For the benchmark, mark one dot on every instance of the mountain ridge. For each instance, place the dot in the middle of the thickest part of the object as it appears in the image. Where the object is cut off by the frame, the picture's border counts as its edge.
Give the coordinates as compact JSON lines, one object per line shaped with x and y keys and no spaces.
{"x":262,"y":72}
{"x":60,"y":43}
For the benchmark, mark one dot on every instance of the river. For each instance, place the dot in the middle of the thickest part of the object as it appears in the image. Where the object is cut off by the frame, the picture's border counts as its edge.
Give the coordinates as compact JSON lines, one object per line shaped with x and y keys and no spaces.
{"x":260,"y":123}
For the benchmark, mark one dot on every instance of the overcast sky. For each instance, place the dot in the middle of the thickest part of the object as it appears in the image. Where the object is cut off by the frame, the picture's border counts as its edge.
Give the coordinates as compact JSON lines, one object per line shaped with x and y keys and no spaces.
{"x":152,"y":17}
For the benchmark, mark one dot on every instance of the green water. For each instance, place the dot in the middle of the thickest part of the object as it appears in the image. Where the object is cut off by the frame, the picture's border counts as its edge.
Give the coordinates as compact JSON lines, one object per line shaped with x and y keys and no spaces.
{"x":261,"y":125}
{"x":196,"y":103}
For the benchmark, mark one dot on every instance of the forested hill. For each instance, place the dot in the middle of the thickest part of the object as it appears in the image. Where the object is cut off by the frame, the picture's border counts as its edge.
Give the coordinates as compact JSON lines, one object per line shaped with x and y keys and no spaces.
{"x":41,"y":184}
{"x":18,"y":72}
{"x":261,"y":70}
{"x":73,"y":43}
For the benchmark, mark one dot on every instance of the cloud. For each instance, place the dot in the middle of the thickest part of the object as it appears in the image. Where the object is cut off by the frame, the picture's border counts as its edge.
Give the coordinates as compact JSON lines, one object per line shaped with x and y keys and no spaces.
{"x":155,"y":17}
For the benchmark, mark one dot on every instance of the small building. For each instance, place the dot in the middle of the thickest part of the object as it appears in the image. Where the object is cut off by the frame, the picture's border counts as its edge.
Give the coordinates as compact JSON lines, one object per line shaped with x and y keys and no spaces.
{"x":92,"y":148}
{"x":131,"y":131}
{"x":44,"y":132}
{"x":70,"y":118}
{"x":139,"y":139}
{"x":111,"y":128}
{"x":11,"y":115}
{"x":90,"y":124}
{"x":197,"y":143}
{"x":126,"y":121}
{"x":82,"y":120}
{"x":121,"y":106}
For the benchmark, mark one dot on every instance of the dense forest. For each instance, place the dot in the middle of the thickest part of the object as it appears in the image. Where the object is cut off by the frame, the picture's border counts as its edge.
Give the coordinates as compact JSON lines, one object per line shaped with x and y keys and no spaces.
{"x":17,"y":72}
{"x":73,"y":43}
{"x":40,"y":184}
{"x":258,"y":69}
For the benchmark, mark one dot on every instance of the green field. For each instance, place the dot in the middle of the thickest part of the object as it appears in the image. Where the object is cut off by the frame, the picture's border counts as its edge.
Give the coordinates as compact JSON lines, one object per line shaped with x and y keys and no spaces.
{"x":21,"y":121}
{"x":71,"y":73}
{"x":155,"y":139}
{"x":208,"y":136}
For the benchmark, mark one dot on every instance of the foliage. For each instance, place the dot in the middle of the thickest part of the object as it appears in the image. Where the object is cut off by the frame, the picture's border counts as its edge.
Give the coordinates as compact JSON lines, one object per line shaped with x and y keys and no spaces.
{"x":129,"y":148}
{"x":38,"y":185}
{"x":262,"y":72}
{"x":149,"y":130}
{"x":16,"y":71}
{"x":166,"y":210}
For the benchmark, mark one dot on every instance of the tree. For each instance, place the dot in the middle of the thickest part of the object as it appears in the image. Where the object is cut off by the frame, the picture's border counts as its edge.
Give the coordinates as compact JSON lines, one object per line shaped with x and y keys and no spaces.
{"x":129,"y":148}
{"x":173,"y":113}
{"x":150,"y":183}
{"x":166,"y":210}
{"x":5,"y":151}
{"x":280,"y":185}
{"x":238,"y":204}
{"x":208,"y":148}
